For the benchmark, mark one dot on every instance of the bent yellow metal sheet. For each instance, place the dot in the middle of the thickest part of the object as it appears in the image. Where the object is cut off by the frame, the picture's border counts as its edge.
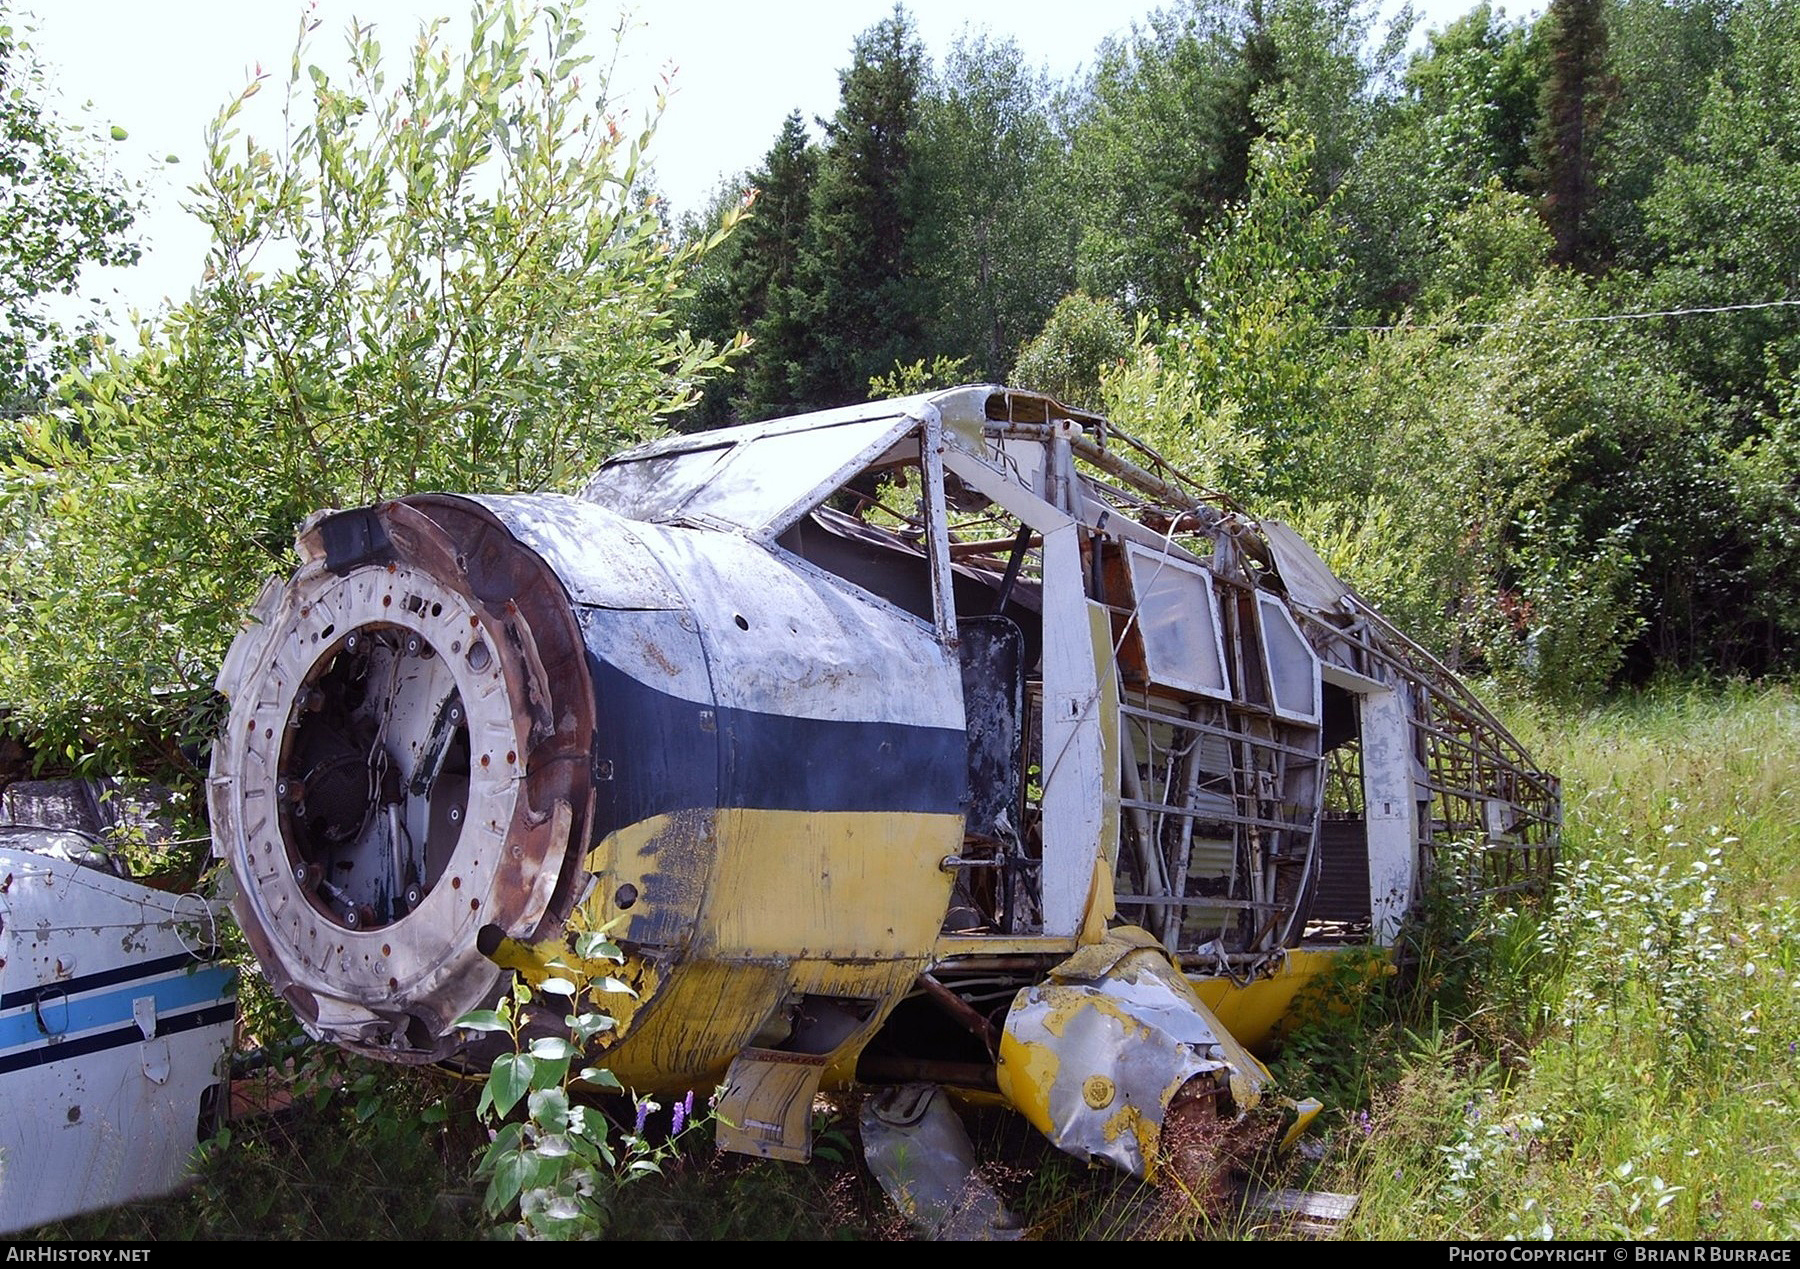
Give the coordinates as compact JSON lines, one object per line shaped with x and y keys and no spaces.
{"x":1095,"y":1056}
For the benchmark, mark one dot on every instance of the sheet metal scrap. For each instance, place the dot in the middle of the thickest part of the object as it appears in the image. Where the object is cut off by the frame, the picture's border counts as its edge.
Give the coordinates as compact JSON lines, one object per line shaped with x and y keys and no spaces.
{"x":1095,"y":1056}
{"x":919,"y":1150}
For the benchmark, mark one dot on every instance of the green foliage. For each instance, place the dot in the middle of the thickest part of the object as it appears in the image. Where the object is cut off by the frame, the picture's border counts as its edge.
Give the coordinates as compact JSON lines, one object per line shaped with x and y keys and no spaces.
{"x":1236,"y":391}
{"x":1562,"y":632}
{"x":1254,"y":339}
{"x":1169,"y":404}
{"x":1164,"y":134}
{"x":943,"y":372}
{"x":1332,"y":64}
{"x":1657,"y":990}
{"x":754,"y":282}
{"x":1462,"y":125}
{"x":1083,"y":338}
{"x":1764,"y":481}
{"x":1662,"y":55}
{"x":867,"y":310}
{"x":997,"y":221}
{"x":1491,"y":249}
{"x":443,"y":278}
{"x":60,"y":209}
{"x":1532,"y":477}
{"x":1477,"y":83}
{"x":1161,"y":145}
{"x":1576,"y":92}
{"x":1725,"y":214}
{"x":330,"y":1148}
{"x":557,"y":1169}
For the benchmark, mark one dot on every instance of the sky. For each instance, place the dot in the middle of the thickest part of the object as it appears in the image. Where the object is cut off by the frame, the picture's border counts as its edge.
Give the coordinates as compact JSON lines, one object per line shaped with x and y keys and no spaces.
{"x":161,"y":69}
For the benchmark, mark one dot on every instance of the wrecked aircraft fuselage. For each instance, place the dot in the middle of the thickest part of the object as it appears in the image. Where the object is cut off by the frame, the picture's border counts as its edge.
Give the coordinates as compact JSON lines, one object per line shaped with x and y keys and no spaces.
{"x":946,"y":791}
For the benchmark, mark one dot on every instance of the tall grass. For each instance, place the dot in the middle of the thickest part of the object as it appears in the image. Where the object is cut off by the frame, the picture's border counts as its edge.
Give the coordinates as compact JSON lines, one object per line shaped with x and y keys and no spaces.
{"x":1623,"y":1061}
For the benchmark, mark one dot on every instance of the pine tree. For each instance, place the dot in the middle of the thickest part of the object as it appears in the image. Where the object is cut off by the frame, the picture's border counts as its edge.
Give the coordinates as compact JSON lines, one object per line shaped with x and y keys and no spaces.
{"x":1575,"y":95}
{"x":869,"y":305}
{"x":772,"y":297}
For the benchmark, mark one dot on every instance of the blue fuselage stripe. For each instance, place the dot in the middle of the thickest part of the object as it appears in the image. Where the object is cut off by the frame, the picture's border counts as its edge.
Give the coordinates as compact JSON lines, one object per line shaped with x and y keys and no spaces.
{"x":663,"y":754}
{"x":53,"y":1014}
{"x":130,"y":972}
{"x":117,"y":1038}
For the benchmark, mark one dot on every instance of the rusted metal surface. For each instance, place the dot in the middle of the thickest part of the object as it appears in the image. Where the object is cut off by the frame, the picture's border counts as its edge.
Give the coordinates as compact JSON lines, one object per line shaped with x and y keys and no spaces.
{"x":412,"y":770}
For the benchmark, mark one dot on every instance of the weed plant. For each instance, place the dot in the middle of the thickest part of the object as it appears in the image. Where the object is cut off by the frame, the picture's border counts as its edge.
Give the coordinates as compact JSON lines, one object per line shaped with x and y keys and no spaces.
{"x":1622,"y":1062}
{"x":350,"y":1150}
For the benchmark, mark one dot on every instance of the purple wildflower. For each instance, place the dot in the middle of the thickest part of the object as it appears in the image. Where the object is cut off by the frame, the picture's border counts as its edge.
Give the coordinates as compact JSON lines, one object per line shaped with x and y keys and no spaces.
{"x":683,"y":1109}
{"x":643,"y":1116}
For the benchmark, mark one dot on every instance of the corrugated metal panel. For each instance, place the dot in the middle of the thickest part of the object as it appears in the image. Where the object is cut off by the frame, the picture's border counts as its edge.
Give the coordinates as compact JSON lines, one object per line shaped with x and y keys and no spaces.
{"x":1344,"y":878}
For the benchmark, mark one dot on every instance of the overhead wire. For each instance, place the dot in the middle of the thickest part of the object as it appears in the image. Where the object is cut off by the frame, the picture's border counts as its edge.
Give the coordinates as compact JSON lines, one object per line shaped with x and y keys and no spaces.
{"x":1596,"y":317}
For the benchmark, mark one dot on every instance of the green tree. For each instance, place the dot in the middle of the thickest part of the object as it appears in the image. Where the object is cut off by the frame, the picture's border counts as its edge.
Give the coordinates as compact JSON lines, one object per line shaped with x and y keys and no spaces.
{"x":996,"y":238}
{"x":1253,"y":353}
{"x":1083,"y":338}
{"x":1577,"y":89}
{"x":1161,"y":145}
{"x":710,"y":309}
{"x":753,"y":283}
{"x":868,"y":312}
{"x":1326,"y":73}
{"x":444,"y":278}
{"x":1764,"y":499}
{"x":1165,"y":130}
{"x":1465,"y":119}
{"x":59,"y":210}
{"x":1725,"y":217}
{"x":770,"y":287}
{"x":1663,"y":53}
{"x":1489,"y":251}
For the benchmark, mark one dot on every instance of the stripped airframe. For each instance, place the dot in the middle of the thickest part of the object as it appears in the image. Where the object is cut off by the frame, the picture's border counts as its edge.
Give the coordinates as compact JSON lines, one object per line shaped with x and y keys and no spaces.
{"x":955,"y":739}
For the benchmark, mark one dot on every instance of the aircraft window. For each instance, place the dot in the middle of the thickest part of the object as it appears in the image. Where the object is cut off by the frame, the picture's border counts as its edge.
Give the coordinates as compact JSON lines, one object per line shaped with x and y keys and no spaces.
{"x":1179,"y":623}
{"x":760,"y":481}
{"x":654,"y":488}
{"x":1292,"y":666}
